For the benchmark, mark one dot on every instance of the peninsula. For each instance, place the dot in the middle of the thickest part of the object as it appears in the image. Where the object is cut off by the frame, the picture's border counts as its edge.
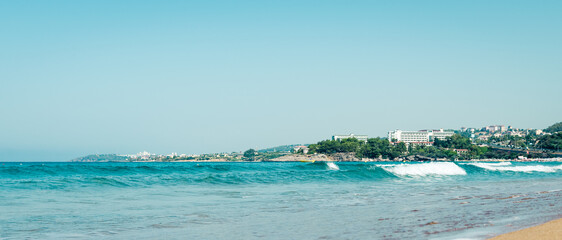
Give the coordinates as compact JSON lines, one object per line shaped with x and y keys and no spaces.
{"x":495,"y":142}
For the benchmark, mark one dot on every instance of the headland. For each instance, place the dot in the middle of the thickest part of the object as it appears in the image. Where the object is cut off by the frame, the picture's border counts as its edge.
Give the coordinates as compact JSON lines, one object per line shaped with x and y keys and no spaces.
{"x":490,"y":143}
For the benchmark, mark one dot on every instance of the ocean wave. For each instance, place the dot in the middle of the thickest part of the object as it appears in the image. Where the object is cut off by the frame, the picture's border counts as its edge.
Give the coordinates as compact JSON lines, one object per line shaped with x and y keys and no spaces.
{"x":523,"y":168}
{"x":124,"y":175}
{"x":486,"y":164}
{"x":425,"y":169}
{"x":332,"y":166}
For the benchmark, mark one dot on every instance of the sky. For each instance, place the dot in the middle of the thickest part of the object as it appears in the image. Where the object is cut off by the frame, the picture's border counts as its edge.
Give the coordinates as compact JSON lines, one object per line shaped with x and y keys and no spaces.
{"x":86,"y":77}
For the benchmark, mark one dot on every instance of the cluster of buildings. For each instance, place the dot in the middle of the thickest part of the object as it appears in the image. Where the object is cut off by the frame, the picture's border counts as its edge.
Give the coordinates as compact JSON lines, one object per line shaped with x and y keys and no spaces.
{"x":147,"y":156}
{"x":300,"y":148}
{"x":141,"y":156}
{"x":427,"y":137}
{"x":421,"y":137}
{"x":485,"y":133}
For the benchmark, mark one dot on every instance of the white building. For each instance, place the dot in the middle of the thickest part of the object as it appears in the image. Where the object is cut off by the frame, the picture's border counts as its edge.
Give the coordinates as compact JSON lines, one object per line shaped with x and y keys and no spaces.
{"x":302,"y":147}
{"x":440,"y":134}
{"x":539,"y":132}
{"x":424,"y":137}
{"x":142,"y":155}
{"x":496,"y":128}
{"x":408,"y":136}
{"x":358,"y":137}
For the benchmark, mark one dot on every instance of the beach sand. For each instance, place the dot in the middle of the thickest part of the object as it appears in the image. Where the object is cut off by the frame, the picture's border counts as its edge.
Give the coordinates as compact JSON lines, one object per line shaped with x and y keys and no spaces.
{"x":549,"y":230}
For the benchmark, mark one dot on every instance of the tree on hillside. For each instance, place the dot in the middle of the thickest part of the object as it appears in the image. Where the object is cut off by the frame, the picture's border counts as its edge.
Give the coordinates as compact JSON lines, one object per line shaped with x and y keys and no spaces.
{"x":250,"y":153}
{"x":401,"y":147}
{"x":552,"y":142}
{"x":312,"y":148}
{"x":459,"y":142}
{"x":456,"y":141}
{"x":557,"y":127}
{"x":350,"y":145}
{"x":375,"y":147}
{"x":440,"y":143}
{"x":336,"y":146}
{"x":397,"y":150}
{"x":326,"y":146}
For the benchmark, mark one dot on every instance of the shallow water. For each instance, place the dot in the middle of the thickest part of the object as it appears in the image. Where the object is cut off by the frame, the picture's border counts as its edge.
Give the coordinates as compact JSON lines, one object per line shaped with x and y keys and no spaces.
{"x":275,"y":200}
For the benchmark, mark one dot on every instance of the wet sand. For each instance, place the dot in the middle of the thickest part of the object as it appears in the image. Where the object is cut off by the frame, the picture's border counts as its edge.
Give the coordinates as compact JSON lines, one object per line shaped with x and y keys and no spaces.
{"x":549,"y":230}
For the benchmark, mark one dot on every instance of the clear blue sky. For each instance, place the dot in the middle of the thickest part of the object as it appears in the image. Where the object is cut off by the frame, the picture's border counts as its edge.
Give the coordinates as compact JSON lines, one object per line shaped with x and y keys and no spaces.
{"x":81,"y":77}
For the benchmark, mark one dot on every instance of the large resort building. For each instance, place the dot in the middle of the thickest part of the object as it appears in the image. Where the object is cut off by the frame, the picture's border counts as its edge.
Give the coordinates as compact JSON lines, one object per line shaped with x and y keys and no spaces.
{"x":423,"y":137}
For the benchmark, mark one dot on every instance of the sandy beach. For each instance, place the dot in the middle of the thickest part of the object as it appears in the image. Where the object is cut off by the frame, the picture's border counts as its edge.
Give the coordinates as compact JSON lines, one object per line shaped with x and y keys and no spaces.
{"x":546,"y":231}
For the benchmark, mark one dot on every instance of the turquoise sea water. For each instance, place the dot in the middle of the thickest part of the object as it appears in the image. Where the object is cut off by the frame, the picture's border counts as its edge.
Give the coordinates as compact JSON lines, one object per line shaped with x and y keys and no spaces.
{"x":275,"y":200}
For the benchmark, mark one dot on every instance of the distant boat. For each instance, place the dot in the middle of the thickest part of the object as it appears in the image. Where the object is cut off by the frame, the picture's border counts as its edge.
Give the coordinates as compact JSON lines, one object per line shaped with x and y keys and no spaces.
{"x":307,"y":161}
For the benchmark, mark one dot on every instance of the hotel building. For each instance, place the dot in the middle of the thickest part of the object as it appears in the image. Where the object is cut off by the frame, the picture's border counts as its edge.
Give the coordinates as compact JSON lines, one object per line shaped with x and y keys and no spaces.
{"x":423,"y":137}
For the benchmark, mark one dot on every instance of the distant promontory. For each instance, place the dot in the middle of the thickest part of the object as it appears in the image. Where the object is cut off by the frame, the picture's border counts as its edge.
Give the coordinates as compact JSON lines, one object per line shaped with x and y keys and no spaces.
{"x":490,"y":142}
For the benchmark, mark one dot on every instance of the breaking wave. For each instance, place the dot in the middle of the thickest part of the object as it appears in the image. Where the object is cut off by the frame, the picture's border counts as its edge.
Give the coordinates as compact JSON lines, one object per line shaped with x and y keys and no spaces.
{"x":126,"y":175}
{"x":332,"y":166}
{"x":424,"y":169}
{"x":507,"y":166}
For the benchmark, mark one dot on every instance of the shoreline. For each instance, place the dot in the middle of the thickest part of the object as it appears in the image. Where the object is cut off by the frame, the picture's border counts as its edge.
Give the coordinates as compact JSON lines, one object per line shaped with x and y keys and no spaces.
{"x":359,"y":161}
{"x":344,"y":158}
{"x":549,"y":230}
{"x":325,"y":158}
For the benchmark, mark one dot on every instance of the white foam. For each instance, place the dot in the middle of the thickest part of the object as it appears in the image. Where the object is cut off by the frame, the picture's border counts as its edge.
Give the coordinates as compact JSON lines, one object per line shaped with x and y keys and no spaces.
{"x":500,"y":164}
{"x":332,"y":166}
{"x":423,"y":169}
{"x":527,"y":168}
{"x":487,"y":164}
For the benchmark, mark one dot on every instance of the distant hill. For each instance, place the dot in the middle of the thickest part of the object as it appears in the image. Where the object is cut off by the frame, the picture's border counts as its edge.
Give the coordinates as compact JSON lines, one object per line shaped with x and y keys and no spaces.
{"x":102,"y":158}
{"x":552,"y":142}
{"x":557,"y":127}
{"x":284,"y":148}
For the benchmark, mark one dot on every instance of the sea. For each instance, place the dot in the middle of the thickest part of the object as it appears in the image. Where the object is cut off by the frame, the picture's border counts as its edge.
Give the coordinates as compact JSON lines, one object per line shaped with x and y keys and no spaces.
{"x":284,"y":200}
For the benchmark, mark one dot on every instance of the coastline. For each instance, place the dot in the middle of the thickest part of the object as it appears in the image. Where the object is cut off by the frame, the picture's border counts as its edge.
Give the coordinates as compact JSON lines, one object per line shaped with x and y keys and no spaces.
{"x":348,"y":158}
{"x":545,"y":231}
{"x":352,"y":158}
